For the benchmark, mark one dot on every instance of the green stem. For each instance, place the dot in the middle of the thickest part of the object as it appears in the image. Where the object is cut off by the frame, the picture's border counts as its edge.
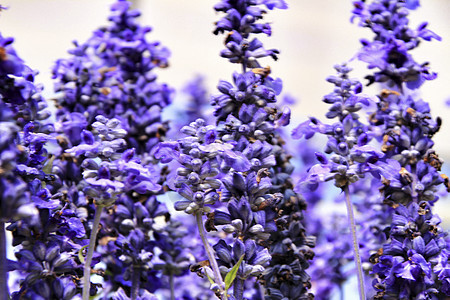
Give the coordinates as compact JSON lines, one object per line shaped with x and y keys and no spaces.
{"x":210,"y":253}
{"x":90,"y":254}
{"x":4,"y":294}
{"x":352,"y":224}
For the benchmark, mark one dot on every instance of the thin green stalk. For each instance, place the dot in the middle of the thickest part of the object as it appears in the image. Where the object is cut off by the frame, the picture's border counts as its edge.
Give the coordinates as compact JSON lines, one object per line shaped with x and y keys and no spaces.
{"x":352,"y":225}
{"x":4,"y":294}
{"x":91,"y":247}
{"x":210,"y":253}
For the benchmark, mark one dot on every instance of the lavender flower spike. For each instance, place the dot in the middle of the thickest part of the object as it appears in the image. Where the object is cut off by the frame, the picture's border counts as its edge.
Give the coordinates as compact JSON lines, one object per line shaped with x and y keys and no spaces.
{"x":197,"y":155}
{"x":407,"y":128}
{"x":247,"y":113}
{"x":348,"y":142}
{"x":16,"y":91}
{"x":107,"y":170}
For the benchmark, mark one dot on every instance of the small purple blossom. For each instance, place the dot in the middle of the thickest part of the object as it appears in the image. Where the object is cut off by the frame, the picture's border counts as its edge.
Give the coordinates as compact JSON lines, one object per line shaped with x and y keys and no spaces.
{"x":389,"y":51}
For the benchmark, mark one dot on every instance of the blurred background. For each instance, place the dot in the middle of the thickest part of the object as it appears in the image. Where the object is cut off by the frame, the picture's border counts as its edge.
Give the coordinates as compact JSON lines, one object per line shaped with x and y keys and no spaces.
{"x":312,"y":36}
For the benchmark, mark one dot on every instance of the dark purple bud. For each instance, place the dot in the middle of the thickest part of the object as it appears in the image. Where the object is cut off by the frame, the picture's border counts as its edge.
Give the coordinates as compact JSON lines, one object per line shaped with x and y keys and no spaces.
{"x":140,"y":211}
{"x":262,"y":257}
{"x":198,"y":197}
{"x":224,"y":87}
{"x":363,"y":139}
{"x":221,"y":218}
{"x":103,"y":172}
{"x":210,"y":136}
{"x":223,"y":253}
{"x":321,"y":158}
{"x":39,"y":251}
{"x":250,"y":247}
{"x":419,"y":245}
{"x":238,"y":249}
{"x":43,"y":290}
{"x":181,"y":205}
{"x":128,"y":154}
{"x":87,"y":137}
{"x":239,"y":182}
{"x":285,"y":117}
{"x":211,"y":198}
{"x":193,"y":178}
{"x":52,"y":252}
{"x":431,"y":249}
{"x":185,"y":191}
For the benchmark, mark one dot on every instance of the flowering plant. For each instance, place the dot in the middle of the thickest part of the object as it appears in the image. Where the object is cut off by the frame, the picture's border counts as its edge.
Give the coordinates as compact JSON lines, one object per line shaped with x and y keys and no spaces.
{"x":103,"y":201}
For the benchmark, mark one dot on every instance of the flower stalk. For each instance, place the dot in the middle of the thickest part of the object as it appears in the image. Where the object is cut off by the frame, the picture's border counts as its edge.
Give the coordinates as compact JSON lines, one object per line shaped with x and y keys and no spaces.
{"x":88,"y":260}
{"x":210,"y":253}
{"x":357,"y":257}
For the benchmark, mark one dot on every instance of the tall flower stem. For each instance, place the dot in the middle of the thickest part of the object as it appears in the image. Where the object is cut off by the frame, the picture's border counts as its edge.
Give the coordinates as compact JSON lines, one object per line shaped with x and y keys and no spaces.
{"x":135,"y":280}
{"x":357,"y":257}
{"x":91,"y":246}
{"x":3,"y":277}
{"x":210,"y":253}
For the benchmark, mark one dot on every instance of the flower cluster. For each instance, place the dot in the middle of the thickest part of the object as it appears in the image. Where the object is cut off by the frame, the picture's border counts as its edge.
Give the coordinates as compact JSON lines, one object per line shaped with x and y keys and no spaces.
{"x":415,"y":262}
{"x":406,"y":129}
{"x":103,"y":201}
{"x":197,"y":157}
{"x":109,"y":169}
{"x":389,"y":51}
{"x":348,"y":138}
{"x":112,"y":74}
{"x":393,"y":143}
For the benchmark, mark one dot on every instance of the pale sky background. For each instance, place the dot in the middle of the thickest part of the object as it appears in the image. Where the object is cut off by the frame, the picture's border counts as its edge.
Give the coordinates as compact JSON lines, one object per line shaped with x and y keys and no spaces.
{"x":312,"y":36}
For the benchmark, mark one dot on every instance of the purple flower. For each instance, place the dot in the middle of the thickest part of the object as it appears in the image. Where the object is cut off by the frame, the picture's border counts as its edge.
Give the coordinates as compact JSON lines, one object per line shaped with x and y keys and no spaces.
{"x":389,"y":51}
{"x":197,"y":157}
{"x":44,"y":263}
{"x":118,"y":170}
{"x":241,"y":21}
{"x":413,"y":255}
{"x":112,"y":74}
{"x":10,"y":62}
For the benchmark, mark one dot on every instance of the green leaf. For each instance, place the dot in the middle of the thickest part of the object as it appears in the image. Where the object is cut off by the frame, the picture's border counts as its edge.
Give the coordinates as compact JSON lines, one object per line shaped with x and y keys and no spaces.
{"x":80,"y":254}
{"x":229,"y":278}
{"x":49,"y":165}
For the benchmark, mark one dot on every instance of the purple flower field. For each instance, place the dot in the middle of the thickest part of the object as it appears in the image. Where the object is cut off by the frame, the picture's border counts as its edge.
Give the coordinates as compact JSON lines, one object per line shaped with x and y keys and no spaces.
{"x":110,"y":189}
